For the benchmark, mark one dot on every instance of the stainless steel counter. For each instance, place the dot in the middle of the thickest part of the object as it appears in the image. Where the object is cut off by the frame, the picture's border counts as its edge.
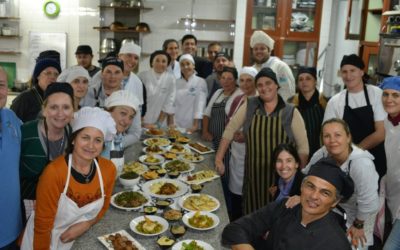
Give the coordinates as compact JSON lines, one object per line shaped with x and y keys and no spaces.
{"x":116,"y":219}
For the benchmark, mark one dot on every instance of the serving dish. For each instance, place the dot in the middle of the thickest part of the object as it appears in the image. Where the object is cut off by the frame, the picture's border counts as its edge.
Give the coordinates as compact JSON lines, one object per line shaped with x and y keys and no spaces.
{"x":191,"y":157}
{"x":130,"y":208}
{"x":199,"y":202}
{"x":134,"y":166}
{"x":177,"y":148}
{"x":152,"y":188}
{"x":202,"y":218}
{"x":152,"y":218}
{"x":200,"y":148}
{"x":162,"y":142}
{"x":200,"y":177}
{"x":151,"y":159}
{"x":104,"y":239}
{"x":179,"y":166}
{"x":180,"y":245}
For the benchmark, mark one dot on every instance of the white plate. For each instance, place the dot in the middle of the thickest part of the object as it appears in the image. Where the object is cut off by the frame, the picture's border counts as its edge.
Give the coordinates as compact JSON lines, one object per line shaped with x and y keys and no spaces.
{"x":142,"y":159}
{"x":182,"y":157}
{"x":210,"y":150}
{"x":162,"y":142}
{"x":179,"y":244}
{"x":108,"y":245}
{"x":182,"y":200}
{"x":147,"y":132}
{"x":189,"y":215}
{"x":135,"y":166}
{"x":130,"y":208}
{"x":201,"y":181}
{"x":160,"y":220}
{"x":158,"y":153}
{"x":191,"y":166}
{"x":182,"y":188}
{"x":185,"y":150}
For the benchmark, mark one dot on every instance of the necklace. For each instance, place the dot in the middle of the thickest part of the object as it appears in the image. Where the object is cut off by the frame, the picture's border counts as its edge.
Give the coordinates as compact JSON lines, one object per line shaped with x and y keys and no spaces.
{"x":87,"y":176}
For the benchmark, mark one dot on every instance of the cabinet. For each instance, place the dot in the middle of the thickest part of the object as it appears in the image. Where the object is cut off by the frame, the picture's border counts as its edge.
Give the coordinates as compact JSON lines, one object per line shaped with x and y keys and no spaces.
{"x":9,"y":27}
{"x":119,"y":23}
{"x":293,"y":24}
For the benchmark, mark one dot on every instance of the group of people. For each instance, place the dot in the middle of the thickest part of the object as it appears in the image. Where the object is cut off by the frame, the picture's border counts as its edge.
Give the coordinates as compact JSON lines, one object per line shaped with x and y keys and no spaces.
{"x":63,"y":144}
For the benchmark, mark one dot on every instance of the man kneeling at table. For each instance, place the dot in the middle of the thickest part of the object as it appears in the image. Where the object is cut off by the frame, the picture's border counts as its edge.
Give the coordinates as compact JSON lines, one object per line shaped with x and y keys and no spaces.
{"x":307,"y":226}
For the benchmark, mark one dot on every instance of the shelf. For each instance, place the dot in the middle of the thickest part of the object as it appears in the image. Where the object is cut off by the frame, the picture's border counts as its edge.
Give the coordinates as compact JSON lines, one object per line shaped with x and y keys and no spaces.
{"x":9,"y":18}
{"x":119,"y":31}
{"x":9,"y":52}
{"x":202,"y":20}
{"x":123,"y":7}
{"x":6,"y":37}
{"x":391,"y":13}
{"x":375,"y":11}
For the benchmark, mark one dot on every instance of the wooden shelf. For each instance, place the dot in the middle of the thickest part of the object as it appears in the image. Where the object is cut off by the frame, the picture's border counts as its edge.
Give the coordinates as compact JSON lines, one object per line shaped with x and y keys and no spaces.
{"x":9,"y":18}
{"x":16,"y":36}
{"x":375,"y":11}
{"x":123,"y":7}
{"x":119,"y":31}
{"x":9,"y":52}
{"x":202,"y":20}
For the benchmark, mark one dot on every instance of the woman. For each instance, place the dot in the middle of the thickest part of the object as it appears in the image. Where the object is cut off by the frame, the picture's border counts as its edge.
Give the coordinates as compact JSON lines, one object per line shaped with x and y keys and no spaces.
{"x":45,"y":139}
{"x":123,"y":107}
{"x":267,"y":121}
{"x":74,"y":190}
{"x":238,"y":147}
{"x":286,"y":161}
{"x":160,"y":90}
{"x":311,"y":105}
{"x":79,"y":79}
{"x":391,"y":104}
{"x":362,"y":207}
{"x":191,"y":93}
{"x":28,"y":104}
{"x":171,"y":46}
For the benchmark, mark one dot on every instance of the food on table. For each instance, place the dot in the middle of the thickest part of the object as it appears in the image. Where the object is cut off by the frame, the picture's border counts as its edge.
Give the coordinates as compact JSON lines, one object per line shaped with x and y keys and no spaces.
{"x":121,"y":242}
{"x":182,"y":139}
{"x":177,"y":148}
{"x":150,"y":210}
{"x":130,"y":199}
{"x":165,"y":242}
{"x":202,"y":175}
{"x":154,"y":167}
{"x":129,"y":175}
{"x":191,"y":246}
{"x":163,"y":203}
{"x":196,"y":188}
{"x":161,"y":171}
{"x":157,"y":141}
{"x":170,"y":155}
{"x":134,"y":167}
{"x":172,"y":214}
{"x":199,"y":147}
{"x":155,"y":149}
{"x":151,"y":159}
{"x":155,"y":131}
{"x":192,"y":157}
{"x":178,"y":230}
{"x":163,"y":188}
{"x":200,"y":202}
{"x":177,"y":165}
{"x":201,"y":221}
{"x":148,"y":226}
{"x":173,"y":133}
{"x":150,"y":175}
{"x":173,"y":174}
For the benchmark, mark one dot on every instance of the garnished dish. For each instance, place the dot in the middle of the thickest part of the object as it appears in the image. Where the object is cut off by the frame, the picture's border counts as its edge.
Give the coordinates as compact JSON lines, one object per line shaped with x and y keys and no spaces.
{"x":179,"y":166}
{"x":178,"y":148}
{"x":150,"y":175}
{"x":192,"y":157}
{"x":192,"y":245}
{"x":134,"y":166}
{"x":129,"y":179}
{"x":149,"y":210}
{"x":120,"y":240}
{"x":169,"y":156}
{"x":149,"y":225}
{"x":129,"y":200}
{"x":165,"y":242}
{"x":200,"y":220}
{"x":199,"y":202}
{"x":162,"y":204}
{"x":154,"y":149}
{"x":196,"y":188}
{"x":200,"y":148}
{"x":162,"y":142}
{"x":155,"y":132}
{"x":172,"y":214}
{"x":182,"y":139}
{"x":151,"y":159}
{"x":177,"y":230}
{"x":201,"y":177}
{"x":165,"y":188}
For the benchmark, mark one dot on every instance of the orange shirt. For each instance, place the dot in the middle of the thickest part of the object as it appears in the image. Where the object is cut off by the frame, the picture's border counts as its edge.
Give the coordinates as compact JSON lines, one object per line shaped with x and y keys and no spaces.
{"x":51,"y":185}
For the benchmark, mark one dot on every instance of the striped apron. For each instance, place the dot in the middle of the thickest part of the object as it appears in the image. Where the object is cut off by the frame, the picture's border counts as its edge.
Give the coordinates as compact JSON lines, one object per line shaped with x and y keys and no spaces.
{"x":264,"y":134}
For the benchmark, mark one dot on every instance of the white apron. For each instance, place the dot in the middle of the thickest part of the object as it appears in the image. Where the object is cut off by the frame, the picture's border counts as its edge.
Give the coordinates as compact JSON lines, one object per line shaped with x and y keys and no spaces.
{"x":236,"y":165}
{"x":68,"y":214}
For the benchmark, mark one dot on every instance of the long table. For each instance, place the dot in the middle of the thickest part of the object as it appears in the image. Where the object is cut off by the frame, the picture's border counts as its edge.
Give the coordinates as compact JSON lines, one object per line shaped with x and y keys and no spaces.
{"x":116,"y":219}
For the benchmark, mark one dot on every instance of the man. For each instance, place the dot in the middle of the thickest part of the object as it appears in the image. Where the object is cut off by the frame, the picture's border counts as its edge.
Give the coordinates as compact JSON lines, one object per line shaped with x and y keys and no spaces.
{"x":361,"y":107}
{"x":221,"y":60}
{"x":213,"y":49}
{"x":189,"y":46}
{"x":308,"y":226}
{"x":84,"y":56}
{"x":262,"y":46}
{"x":10,"y":143}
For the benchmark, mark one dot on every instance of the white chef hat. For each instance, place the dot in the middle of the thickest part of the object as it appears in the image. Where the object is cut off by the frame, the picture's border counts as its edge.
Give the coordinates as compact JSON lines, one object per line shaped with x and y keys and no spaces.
{"x":249,"y":70}
{"x":261,"y":37}
{"x":188,"y":57}
{"x":75,"y":72}
{"x":122,"y":98}
{"x":96,"y":118}
{"x":130,"y":48}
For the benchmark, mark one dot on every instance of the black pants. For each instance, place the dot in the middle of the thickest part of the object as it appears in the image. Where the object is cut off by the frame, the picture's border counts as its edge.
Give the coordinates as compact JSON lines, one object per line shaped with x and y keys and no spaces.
{"x":236,"y":203}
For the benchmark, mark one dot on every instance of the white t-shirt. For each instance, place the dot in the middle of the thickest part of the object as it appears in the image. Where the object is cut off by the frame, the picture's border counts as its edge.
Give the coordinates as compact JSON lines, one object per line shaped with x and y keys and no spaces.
{"x":335,"y":106}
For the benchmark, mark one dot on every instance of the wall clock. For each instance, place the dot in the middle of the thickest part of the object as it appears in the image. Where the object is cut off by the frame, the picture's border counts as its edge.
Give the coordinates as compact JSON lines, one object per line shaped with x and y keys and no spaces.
{"x":51,"y":8}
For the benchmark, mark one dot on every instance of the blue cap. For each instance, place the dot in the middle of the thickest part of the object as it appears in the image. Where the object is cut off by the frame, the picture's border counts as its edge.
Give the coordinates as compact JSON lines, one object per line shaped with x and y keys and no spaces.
{"x":391,"y":83}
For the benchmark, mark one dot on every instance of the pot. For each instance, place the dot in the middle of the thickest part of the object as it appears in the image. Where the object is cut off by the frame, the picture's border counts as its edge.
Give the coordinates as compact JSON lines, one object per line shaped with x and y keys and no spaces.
{"x":107,"y":45}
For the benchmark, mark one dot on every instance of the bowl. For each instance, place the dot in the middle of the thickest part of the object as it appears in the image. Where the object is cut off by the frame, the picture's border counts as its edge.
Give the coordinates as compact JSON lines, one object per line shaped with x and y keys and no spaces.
{"x":173,"y":174}
{"x":177,"y":230}
{"x":129,"y":179}
{"x":165,"y":242}
{"x":196,"y":188}
{"x":163,"y":203}
{"x":149,"y":210}
{"x":198,"y":217}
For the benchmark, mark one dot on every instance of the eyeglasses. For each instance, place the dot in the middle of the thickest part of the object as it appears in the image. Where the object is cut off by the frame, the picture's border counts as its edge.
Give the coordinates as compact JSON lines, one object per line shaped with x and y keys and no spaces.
{"x":49,"y":73}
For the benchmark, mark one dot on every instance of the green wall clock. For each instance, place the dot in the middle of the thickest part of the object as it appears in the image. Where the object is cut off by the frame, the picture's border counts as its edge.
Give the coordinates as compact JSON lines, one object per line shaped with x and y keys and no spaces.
{"x":51,"y":8}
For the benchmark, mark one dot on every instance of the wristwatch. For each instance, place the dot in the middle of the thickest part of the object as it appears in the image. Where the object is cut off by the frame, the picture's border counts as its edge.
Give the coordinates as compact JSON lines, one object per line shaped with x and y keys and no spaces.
{"x":358,"y":224}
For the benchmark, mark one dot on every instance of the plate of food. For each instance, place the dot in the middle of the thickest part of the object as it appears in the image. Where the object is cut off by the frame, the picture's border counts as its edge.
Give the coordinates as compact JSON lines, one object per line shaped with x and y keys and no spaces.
{"x":199,"y":202}
{"x":165,"y":188}
{"x":130,"y":200}
{"x":182,"y":139}
{"x":150,"y":175}
{"x":151,"y":159}
{"x":119,"y":239}
{"x":200,"y":220}
{"x":172,"y":214}
{"x":192,"y":244}
{"x":149,"y":225}
{"x":200,"y":148}
{"x":154,"y":149}
{"x":192,"y":157}
{"x":154,"y":132}
{"x":178,"y":166}
{"x":200,"y":177}
{"x":170,"y":156}
{"x":162,"y":142}
{"x":134,"y":166}
{"x":178,"y":148}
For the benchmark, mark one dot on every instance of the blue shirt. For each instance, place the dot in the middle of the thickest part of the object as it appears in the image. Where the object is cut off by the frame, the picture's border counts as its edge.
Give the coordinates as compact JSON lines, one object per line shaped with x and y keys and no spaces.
{"x":10,"y":147}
